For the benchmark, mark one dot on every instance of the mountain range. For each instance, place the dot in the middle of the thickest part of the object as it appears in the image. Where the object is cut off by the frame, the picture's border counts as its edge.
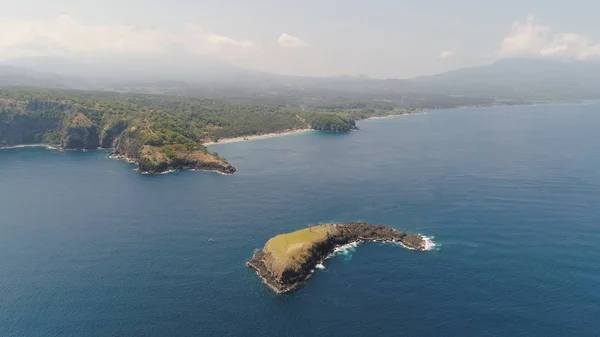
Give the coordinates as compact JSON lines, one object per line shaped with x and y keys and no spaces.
{"x":511,"y":80}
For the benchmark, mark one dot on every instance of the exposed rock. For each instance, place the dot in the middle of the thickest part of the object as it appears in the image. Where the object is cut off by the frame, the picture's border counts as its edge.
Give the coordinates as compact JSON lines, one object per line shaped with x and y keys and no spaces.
{"x":111,"y":131}
{"x":168,"y":157}
{"x":287,"y":260}
{"x":81,"y":133}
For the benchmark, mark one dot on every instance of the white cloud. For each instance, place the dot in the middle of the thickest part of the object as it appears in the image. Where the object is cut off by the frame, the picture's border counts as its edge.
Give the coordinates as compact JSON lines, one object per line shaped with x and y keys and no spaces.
{"x":211,"y":41}
{"x":446,"y":54}
{"x":530,"y":39}
{"x":289,"y":41}
{"x":66,"y":37}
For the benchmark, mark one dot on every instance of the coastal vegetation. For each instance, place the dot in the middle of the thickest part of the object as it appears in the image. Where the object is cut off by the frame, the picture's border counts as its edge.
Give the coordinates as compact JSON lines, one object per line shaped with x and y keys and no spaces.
{"x":158,"y":132}
{"x":330,"y":122}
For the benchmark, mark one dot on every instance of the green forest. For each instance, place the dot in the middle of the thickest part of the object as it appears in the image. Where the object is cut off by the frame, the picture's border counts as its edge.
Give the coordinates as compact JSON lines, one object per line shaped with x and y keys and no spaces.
{"x":158,"y":131}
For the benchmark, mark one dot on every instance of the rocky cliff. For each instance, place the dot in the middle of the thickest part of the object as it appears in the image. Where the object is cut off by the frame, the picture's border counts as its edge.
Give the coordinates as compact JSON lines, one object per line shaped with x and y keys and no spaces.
{"x":80,"y":133}
{"x":132,"y":144}
{"x":287,"y":260}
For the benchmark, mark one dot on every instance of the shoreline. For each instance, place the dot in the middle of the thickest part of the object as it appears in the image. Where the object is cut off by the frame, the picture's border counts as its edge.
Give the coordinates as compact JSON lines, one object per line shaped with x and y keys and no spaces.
{"x":132,"y":161}
{"x":23,"y":146}
{"x":392,"y":116}
{"x":279,"y":274}
{"x":290,"y":132}
{"x":257,"y":137}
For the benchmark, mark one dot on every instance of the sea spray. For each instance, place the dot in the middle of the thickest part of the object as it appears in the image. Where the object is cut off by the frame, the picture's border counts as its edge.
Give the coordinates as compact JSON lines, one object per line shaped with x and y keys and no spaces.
{"x":429,"y":243}
{"x":345,"y":250}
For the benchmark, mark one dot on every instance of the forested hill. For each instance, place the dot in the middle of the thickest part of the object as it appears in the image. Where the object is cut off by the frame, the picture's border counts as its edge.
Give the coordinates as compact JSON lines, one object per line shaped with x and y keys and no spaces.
{"x":157,"y":131}
{"x":511,"y":81}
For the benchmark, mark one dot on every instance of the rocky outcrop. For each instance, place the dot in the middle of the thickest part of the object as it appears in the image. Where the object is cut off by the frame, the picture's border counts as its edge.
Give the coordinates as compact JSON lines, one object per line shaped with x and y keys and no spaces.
{"x":111,"y":131}
{"x":288,"y":260}
{"x":81,"y":133}
{"x":153,"y":159}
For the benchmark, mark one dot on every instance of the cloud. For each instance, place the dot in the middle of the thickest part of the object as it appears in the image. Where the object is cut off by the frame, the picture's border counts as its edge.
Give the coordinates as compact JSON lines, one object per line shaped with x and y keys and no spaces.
{"x":66,"y":37}
{"x":530,"y":39}
{"x":446,"y":54}
{"x":214,"y":41}
{"x":289,"y":41}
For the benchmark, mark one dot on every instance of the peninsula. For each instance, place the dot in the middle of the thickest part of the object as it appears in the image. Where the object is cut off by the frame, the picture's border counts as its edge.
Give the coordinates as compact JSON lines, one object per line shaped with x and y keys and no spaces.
{"x":287,"y":260}
{"x":160,"y":133}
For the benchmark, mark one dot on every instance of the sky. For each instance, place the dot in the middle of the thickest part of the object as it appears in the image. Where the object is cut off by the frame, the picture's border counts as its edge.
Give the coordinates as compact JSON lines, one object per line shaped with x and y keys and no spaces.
{"x":378,"y":38}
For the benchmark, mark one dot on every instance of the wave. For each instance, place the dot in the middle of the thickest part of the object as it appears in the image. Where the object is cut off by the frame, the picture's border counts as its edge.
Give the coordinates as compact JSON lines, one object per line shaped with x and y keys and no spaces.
{"x":345,"y":250}
{"x":168,"y":171}
{"x":429,"y":243}
{"x":22,"y":146}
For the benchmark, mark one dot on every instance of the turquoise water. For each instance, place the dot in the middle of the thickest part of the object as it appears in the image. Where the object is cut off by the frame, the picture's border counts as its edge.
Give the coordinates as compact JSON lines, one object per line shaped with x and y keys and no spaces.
{"x":88,"y":247}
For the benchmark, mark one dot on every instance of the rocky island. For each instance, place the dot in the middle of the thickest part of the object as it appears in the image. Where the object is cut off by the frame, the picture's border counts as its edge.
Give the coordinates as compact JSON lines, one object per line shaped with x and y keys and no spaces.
{"x":287,"y":260}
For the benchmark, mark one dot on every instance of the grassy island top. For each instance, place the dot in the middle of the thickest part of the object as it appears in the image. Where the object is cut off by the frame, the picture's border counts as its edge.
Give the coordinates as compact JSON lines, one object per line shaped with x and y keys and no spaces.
{"x":289,"y":259}
{"x":292,"y":249}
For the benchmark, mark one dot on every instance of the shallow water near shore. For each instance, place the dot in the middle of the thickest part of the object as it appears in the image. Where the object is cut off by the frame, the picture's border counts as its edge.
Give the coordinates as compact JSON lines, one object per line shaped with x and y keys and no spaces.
{"x":89,"y":247}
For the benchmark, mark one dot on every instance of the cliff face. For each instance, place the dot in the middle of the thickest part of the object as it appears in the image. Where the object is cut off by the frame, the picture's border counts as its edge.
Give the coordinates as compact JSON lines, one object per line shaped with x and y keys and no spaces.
{"x":81,"y":133}
{"x":111,"y":131}
{"x":78,"y":132}
{"x":25,"y":129}
{"x":287,"y":260}
{"x":154,"y":159}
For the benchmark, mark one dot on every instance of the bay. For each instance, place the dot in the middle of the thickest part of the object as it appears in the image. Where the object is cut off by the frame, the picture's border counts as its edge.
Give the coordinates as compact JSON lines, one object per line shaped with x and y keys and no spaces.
{"x":88,"y":247}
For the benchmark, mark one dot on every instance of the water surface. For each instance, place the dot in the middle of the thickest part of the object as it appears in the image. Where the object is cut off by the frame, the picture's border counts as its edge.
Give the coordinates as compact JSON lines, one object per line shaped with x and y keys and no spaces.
{"x":88,"y":247}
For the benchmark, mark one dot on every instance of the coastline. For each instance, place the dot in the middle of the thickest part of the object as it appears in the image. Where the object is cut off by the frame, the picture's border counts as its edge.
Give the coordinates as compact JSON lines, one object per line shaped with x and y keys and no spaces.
{"x":391,"y":116}
{"x":290,"y":132}
{"x":22,"y":146}
{"x":284,"y":272}
{"x":168,"y":170}
{"x":257,"y":137}
{"x":337,"y":248}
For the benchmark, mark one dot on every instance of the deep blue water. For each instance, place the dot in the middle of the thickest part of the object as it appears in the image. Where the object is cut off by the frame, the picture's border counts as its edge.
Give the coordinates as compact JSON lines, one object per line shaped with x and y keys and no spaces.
{"x":88,"y":247}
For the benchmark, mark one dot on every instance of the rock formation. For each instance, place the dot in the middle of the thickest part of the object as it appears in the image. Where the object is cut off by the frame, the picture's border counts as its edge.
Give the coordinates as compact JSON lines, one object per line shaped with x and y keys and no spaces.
{"x":287,"y":260}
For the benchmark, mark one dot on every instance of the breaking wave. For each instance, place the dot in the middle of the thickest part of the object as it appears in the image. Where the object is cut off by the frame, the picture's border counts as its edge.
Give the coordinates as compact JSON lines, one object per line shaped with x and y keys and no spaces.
{"x":429,"y":243}
{"x":345,"y":250}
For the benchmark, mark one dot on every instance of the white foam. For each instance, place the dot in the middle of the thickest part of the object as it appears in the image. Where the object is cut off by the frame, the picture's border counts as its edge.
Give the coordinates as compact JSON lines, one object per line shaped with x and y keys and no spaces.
{"x":168,"y":171}
{"x":345,"y":250}
{"x":320,"y":266}
{"x":429,"y":243}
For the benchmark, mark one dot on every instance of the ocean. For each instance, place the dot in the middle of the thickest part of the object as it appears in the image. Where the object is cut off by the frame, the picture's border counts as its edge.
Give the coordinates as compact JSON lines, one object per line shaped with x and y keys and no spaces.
{"x":510,"y":196}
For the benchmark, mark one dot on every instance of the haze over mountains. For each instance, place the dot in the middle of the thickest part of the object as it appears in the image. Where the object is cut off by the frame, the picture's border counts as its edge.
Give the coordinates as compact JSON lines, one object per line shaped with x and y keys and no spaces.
{"x":509,"y":80}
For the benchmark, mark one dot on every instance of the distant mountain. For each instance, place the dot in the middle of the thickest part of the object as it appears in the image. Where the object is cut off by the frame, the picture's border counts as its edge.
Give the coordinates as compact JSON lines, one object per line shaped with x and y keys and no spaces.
{"x":11,"y":75}
{"x":520,"y":77}
{"x":504,"y":82}
{"x":131,"y":68}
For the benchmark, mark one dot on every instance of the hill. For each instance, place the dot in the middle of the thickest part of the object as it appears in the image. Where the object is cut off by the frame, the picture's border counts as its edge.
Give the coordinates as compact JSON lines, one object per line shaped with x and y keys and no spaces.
{"x":158,"y":132}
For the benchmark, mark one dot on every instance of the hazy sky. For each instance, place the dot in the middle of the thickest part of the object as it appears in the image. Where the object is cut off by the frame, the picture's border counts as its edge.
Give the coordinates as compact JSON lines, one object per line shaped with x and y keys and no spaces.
{"x":394,"y":38}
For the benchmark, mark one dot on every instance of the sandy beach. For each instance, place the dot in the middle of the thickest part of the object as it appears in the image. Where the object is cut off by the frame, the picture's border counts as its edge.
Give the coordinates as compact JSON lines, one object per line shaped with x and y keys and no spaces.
{"x":256,"y":137}
{"x":382,"y":117}
{"x":398,"y":115}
